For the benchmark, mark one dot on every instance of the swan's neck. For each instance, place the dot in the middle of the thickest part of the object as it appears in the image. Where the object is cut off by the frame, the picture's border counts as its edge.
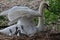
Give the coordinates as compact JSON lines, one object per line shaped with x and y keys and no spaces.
{"x":41,"y":8}
{"x":41,"y":20}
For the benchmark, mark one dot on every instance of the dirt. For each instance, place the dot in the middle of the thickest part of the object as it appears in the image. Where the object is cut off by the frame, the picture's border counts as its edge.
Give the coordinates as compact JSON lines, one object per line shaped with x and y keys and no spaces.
{"x":46,"y":35}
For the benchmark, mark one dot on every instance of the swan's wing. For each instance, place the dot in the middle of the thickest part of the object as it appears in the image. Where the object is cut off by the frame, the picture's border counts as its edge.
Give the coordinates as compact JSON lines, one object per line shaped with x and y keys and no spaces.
{"x":6,"y":30}
{"x":21,"y":12}
{"x":4,"y":13}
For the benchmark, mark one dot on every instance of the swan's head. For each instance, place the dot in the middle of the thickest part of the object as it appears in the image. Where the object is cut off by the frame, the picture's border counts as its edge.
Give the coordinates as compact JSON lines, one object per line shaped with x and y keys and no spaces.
{"x":44,"y":4}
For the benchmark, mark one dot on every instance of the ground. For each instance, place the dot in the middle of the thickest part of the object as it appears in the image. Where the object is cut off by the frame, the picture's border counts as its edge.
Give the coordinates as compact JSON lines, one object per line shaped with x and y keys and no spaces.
{"x":46,"y":35}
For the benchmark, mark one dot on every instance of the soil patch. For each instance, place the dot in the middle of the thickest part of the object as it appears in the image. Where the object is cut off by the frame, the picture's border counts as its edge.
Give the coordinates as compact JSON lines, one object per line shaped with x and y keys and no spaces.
{"x":38,"y":36}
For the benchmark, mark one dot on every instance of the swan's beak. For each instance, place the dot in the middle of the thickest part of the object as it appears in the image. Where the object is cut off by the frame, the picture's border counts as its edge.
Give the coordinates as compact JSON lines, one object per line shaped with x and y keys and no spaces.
{"x":46,"y":6}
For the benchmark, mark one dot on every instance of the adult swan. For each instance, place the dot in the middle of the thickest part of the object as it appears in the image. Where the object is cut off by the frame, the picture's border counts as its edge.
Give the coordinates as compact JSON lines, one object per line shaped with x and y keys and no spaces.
{"x":23,"y":15}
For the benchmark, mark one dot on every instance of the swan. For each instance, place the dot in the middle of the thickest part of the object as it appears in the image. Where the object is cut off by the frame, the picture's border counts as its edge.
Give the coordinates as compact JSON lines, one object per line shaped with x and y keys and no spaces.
{"x":23,"y":15}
